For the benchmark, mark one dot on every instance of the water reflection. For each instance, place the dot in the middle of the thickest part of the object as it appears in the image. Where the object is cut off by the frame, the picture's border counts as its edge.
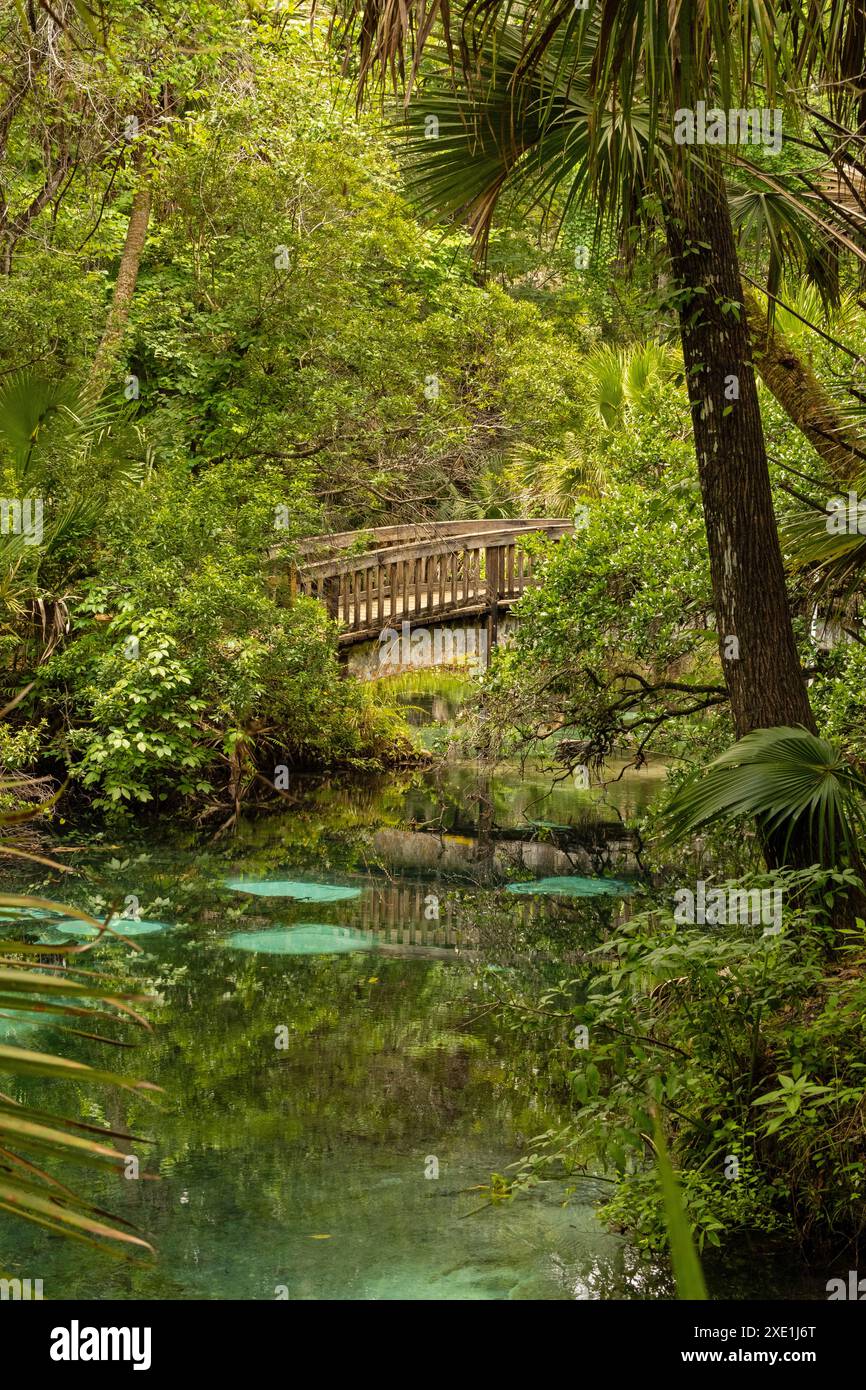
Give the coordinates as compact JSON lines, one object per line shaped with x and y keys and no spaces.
{"x":306,"y":1093}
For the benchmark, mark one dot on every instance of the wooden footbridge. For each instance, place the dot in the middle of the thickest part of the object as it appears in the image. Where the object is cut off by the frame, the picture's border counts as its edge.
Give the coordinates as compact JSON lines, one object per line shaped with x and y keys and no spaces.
{"x":422,"y":574}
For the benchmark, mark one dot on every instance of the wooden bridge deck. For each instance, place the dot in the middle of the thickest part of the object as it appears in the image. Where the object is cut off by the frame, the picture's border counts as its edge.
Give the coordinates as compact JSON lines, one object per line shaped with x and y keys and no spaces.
{"x":378,"y":579}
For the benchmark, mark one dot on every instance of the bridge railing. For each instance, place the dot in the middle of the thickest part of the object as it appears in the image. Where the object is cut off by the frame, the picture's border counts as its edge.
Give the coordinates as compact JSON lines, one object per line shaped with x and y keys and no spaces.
{"x":408,"y":533}
{"x":421,"y":573}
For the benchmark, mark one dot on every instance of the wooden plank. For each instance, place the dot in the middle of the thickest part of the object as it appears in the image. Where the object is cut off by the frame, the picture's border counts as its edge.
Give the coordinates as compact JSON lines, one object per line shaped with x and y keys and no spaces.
{"x":493,"y":557}
{"x":492,"y":566}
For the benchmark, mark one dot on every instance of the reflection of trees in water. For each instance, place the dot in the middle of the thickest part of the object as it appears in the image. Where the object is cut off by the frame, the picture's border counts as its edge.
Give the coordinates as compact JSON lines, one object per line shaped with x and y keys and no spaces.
{"x":500,"y":857}
{"x":389,"y":1059}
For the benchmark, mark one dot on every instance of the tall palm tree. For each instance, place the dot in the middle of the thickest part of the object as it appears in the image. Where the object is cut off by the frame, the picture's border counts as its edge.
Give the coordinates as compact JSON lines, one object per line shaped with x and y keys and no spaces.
{"x":581,"y":105}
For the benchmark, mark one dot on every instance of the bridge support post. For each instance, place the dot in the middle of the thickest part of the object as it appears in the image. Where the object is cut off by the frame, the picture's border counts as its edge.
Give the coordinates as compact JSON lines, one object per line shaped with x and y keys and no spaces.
{"x":493,"y":567}
{"x":282,"y":585}
{"x":330,"y":592}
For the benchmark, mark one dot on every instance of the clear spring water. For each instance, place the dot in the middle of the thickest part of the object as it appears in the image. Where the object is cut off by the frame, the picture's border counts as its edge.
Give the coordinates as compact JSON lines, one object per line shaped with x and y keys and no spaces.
{"x":347,"y":1161}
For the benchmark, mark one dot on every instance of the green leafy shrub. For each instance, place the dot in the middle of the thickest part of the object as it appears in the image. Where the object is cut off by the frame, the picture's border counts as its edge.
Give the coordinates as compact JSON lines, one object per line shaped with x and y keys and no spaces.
{"x":749,"y":1046}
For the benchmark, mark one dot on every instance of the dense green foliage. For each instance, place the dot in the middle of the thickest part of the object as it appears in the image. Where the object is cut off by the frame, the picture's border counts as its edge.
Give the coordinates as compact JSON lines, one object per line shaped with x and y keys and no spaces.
{"x":288,"y":315}
{"x":749,"y":1045}
{"x":237,"y":311}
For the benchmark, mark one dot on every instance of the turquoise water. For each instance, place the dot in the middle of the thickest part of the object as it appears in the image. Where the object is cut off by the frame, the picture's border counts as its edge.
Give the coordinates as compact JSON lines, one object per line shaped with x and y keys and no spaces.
{"x":121,"y":926}
{"x":304,"y":939}
{"x":573,"y":886}
{"x":293,"y":888}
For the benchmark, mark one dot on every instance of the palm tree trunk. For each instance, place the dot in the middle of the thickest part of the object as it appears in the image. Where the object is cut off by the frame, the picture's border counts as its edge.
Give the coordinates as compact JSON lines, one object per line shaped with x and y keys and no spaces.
{"x":761,"y":666}
{"x":124,"y":289}
{"x":802,"y":397}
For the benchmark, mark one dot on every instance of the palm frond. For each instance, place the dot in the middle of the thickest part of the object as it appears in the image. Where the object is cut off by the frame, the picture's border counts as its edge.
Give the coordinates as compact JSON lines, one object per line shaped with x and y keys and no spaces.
{"x":28,"y":1136}
{"x":786,"y":779}
{"x":622,"y":377}
{"x":28,"y":406}
{"x":828,"y":542}
{"x":552,"y":109}
{"x":779,"y":230}
{"x":531,"y":127}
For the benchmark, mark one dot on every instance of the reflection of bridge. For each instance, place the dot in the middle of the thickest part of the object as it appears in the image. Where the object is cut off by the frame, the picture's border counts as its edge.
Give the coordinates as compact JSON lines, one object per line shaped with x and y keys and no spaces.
{"x":407,"y":917}
{"x":371,"y":580}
